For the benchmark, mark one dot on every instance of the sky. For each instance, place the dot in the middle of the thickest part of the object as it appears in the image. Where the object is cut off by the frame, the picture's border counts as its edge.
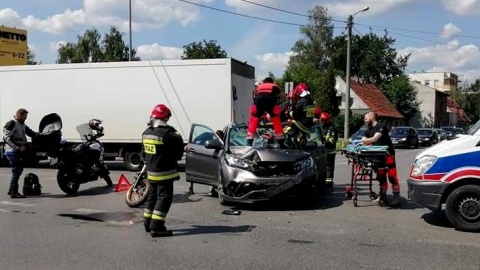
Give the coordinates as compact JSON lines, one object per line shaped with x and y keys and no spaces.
{"x":441,"y":35}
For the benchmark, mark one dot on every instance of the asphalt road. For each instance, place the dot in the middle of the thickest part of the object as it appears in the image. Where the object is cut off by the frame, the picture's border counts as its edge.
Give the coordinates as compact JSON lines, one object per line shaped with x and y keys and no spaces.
{"x":96,"y":230}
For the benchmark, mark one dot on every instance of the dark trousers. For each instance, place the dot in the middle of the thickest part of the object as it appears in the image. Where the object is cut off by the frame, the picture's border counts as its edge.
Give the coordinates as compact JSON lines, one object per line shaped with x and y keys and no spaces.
{"x":158,"y":204}
{"x":17,"y":169}
{"x":330,"y":165}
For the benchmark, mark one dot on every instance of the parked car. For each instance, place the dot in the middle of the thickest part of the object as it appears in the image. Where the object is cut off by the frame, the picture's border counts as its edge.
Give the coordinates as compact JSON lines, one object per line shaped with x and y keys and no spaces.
{"x":451,"y":132}
{"x":245,"y":174}
{"x":404,"y":136}
{"x":442,"y":135}
{"x":427,"y":136}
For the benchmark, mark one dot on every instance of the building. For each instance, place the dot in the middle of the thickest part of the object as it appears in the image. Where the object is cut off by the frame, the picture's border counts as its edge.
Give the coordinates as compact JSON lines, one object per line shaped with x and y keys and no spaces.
{"x":457,"y":116}
{"x":433,"y":107}
{"x":366,"y":97}
{"x":443,"y":81}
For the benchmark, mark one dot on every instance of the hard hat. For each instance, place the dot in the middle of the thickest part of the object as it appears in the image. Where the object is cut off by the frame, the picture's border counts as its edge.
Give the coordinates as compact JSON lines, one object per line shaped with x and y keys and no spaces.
{"x":161,"y":111}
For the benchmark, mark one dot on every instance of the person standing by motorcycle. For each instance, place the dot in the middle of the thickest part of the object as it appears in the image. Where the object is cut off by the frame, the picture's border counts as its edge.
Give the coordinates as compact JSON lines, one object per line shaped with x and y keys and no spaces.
{"x":330,"y":136}
{"x":14,"y":135}
{"x":162,"y":147}
{"x":265,"y":101}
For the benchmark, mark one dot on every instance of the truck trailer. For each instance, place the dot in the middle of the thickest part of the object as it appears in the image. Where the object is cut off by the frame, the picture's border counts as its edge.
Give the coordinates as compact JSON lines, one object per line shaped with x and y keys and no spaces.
{"x":122,"y":95}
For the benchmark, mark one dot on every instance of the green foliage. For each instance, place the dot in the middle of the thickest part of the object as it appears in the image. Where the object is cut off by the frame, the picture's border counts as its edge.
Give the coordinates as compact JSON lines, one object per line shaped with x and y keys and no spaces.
{"x":469,"y":99}
{"x":90,"y":47}
{"x":373,"y":58}
{"x":31,"y":57}
{"x":401,"y":93}
{"x":206,"y":50}
{"x":356,"y":122}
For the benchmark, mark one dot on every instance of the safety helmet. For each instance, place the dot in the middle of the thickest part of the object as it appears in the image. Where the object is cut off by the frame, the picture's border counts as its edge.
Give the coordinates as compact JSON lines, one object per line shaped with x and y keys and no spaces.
{"x":95,"y":124}
{"x":325,"y":116}
{"x":161,"y":111}
{"x":301,"y":90}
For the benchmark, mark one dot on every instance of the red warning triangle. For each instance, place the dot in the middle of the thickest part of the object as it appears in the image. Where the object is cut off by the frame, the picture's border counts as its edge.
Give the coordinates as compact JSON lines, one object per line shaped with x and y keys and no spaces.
{"x":122,"y":184}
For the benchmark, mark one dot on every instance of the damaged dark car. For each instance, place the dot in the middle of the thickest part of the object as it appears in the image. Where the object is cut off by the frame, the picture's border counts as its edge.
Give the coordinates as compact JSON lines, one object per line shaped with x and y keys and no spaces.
{"x":244,"y":174}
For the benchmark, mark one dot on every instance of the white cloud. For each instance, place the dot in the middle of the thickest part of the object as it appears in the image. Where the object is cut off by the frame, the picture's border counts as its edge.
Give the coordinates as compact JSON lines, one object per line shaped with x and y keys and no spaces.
{"x":462,"y":7}
{"x":450,"y":29}
{"x":145,"y":14}
{"x":243,"y":6}
{"x":274,"y":62}
{"x":451,"y":57}
{"x":54,"y":46}
{"x":158,"y":52}
{"x":347,"y":7}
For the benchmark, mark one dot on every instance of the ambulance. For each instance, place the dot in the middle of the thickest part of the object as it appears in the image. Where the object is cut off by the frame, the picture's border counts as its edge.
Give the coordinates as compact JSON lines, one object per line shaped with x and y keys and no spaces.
{"x":448,"y":175}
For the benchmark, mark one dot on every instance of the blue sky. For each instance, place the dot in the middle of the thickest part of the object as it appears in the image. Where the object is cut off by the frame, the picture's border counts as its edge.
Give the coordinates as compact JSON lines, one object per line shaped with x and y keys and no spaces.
{"x":442,"y":35}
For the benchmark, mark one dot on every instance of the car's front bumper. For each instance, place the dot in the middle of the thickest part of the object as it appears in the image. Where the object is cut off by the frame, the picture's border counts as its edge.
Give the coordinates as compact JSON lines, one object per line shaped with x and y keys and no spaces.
{"x":397,"y":143}
{"x":426,"y":193}
{"x":252,"y":190}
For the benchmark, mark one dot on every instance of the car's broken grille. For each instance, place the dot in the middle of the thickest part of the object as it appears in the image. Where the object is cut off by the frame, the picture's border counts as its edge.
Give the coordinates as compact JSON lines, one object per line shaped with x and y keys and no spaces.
{"x":269,"y":169}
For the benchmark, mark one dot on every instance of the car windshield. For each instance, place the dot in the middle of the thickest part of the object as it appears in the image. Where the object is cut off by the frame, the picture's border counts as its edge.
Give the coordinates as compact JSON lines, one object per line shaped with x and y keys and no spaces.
{"x":474,"y":129}
{"x":449,"y":129}
{"x":425,"y":132}
{"x":399,"y":131}
{"x":265,"y":136}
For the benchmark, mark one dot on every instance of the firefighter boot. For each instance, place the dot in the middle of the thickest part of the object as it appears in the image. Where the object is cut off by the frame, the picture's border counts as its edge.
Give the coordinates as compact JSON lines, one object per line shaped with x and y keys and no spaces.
{"x":146,"y":223}
{"x":396,"y":200}
{"x":158,"y":229}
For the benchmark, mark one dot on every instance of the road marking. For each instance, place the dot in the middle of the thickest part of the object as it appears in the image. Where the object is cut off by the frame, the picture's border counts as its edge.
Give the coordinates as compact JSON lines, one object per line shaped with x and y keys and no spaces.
{"x":17,"y":203}
{"x":89,"y":211}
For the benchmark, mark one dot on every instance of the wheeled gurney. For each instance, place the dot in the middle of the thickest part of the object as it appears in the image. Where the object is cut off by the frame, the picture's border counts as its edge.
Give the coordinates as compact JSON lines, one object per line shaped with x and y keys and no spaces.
{"x":365,"y":160}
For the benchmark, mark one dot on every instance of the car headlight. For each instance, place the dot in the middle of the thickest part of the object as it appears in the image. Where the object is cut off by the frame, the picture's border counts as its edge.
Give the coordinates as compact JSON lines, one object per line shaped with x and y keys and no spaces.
{"x":403,"y":139}
{"x":238,"y":162}
{"x":305,"y":164}
{"x":426,"y":139}
{"x":423,"y":164}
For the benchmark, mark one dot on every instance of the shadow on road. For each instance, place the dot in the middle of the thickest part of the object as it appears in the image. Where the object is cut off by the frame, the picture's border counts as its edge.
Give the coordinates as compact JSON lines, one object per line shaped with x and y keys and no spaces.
{"x":438,"y":219}
{"x":85,"y":192}
{"x":215,"y":229}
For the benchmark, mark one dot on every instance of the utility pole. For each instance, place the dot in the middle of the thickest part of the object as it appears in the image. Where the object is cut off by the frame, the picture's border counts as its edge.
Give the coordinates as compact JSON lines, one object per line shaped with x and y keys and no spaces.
{"x":347,"y":96}
{"x":130,"y":30}
{"x":346,"y":127}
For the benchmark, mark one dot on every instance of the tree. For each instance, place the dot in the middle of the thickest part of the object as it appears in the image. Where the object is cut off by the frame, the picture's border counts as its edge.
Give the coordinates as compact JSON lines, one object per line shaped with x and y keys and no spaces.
{"x":208,"y":50}
{"x":403,"y":95}
{"x":90,"y":47}
{"x":310,"y":61}
{"x":471,"y":103}
{"x":31,"y":57}
{"x":373,"y":58}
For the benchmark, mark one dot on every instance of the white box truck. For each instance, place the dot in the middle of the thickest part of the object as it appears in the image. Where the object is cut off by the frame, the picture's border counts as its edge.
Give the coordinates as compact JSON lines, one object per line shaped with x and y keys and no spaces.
{"x":122,"y":95}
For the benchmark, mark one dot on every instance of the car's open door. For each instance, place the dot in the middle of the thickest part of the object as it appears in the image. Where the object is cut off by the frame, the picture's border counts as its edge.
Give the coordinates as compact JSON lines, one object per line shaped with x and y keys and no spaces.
{"x":201,"y":164}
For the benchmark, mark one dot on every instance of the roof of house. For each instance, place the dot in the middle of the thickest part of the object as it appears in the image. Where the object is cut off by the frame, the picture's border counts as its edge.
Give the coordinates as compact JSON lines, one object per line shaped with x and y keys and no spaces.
{"x":459,"y":111}
{"x":375,"y":100}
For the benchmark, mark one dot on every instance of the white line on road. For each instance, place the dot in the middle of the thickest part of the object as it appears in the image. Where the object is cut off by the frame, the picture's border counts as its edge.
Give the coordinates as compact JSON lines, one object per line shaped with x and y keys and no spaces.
{"x":17,"y":203}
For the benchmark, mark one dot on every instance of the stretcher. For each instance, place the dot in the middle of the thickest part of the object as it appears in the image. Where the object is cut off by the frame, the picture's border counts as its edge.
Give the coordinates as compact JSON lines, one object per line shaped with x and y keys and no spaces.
{"x":365,"y":160}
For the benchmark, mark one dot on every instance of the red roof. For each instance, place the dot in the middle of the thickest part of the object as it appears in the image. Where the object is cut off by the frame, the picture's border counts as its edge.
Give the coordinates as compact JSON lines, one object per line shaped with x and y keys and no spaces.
{"x":459,"y":111}
{"x":375,"y":99}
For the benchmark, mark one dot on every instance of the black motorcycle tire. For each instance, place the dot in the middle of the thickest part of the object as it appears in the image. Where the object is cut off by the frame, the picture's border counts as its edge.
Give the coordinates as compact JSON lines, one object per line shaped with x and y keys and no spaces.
{"x":137,"y":194}
{"x":64,"y":184}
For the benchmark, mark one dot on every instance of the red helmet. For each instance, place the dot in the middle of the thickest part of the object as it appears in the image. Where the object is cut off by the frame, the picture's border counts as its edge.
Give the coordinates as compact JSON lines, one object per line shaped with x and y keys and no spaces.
{"x":325,"y":116}
{"x":300,"y":88}
{"x":317,"y":112}
{"x":161,"y":111}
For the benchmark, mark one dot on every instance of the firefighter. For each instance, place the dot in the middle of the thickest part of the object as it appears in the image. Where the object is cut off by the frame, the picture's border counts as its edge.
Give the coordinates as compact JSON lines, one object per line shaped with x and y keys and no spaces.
{"x":265,"y":101}
{"x":287,"y":106}
{"x":302,"y":111}
{"x":330,"y":137}
{"x":162,"y":147}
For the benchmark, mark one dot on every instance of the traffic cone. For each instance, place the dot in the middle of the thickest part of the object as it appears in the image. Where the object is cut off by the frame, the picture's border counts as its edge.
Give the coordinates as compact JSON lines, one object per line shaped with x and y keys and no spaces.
{"x":123,"y":184}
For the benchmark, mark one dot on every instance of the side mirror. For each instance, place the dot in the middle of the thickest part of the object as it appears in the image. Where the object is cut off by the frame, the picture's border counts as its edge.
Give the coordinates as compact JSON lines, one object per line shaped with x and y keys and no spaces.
{"x":214,"y":144}
{"x":311,"y":145}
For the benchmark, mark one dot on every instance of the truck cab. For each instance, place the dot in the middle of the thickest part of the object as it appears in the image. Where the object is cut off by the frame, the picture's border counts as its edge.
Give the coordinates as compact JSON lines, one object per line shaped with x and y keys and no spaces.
{"x":449,"y":174}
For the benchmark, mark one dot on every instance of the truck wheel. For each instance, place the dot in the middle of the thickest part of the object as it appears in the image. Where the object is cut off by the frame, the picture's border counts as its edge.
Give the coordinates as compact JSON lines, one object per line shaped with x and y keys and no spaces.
{"x":463,"y":208}
{"x":133,"y":161}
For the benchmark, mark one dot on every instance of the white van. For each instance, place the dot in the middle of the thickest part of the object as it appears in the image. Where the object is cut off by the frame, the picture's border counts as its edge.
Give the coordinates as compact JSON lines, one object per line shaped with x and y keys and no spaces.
{"x":449,"y":173}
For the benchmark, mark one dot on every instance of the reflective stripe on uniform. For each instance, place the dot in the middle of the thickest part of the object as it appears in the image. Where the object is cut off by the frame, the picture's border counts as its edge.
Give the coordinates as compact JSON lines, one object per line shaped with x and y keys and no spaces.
{"x":310,"y":111}
{"x":147,"y":213}
{"x":152,"y":139}
{"x":157,"y":215}
{"x":159,"y":176}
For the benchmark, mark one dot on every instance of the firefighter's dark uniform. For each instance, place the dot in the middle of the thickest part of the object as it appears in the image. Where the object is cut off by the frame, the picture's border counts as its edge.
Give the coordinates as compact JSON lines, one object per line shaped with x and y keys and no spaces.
{"x":163,"y":147}
{"x":330,"y":137}
{"x":303,"y":113}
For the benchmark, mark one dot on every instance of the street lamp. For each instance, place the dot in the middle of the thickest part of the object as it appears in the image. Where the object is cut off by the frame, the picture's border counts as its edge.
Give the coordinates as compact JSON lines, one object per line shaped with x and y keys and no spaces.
{"x":130,"y":30}
{"x":347,"y":99}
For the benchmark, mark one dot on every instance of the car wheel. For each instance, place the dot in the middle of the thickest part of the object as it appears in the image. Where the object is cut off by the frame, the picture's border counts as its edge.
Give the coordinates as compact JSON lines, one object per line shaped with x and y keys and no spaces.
{"x":463,"y":208}
{"x":220,"y":195}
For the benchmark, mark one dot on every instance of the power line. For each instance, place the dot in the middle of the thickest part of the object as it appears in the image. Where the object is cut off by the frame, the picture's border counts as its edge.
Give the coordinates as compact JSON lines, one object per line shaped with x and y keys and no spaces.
{"x":242,"y":15}
{"x":414,"y":31}
{"x":286,"y":11}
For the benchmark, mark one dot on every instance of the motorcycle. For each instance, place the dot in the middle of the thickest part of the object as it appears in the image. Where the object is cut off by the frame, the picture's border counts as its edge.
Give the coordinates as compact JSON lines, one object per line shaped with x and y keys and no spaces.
{"x":78,"y":163}
{"x":137,"y":194}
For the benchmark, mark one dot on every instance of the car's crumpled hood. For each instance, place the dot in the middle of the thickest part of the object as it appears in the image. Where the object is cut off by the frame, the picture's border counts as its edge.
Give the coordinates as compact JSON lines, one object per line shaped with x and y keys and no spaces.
{"x":269,"y":155}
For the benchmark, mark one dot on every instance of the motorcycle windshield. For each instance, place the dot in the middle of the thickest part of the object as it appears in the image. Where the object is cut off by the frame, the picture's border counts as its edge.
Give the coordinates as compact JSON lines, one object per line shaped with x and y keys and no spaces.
{"x":50,"y":123}
{"x":83,"y":130}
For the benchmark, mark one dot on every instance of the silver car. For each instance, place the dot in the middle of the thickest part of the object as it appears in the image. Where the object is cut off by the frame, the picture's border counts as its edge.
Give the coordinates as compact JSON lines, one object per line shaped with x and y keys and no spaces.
{"x":245,"y":174}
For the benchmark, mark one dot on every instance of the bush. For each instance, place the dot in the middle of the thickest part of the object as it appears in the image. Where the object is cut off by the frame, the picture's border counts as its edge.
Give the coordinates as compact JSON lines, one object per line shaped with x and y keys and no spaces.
{"x":356,"y":122}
